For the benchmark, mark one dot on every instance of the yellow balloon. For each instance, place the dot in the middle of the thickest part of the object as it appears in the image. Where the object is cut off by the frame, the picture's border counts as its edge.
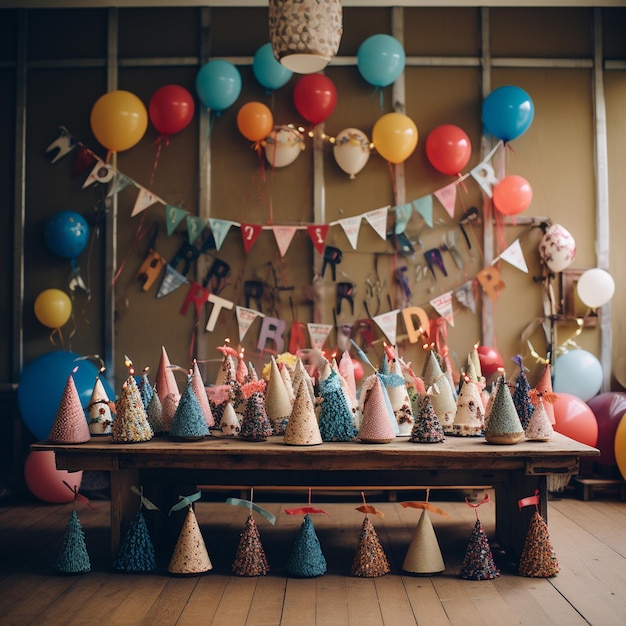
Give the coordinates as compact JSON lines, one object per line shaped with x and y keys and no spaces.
{"x":620,"y":445}
{"x":53,"y":308}
{"x":119,"y":120}
{"x":395,"y":137}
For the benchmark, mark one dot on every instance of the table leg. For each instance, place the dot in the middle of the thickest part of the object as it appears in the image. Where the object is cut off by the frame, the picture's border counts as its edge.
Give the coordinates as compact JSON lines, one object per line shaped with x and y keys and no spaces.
{"x":124,"y":505}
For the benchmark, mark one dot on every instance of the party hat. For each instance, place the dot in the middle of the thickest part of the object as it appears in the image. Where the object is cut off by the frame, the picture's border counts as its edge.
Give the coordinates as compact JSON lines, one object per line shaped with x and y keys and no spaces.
{"x":229,"y":424}
{"x":336,"y":420}
{"x":396,"y":388}
{"x":300,"y":374}
{"x":424,"y":555}
{"x":306,"y":559}
{"x":167,"y":389}
{"x":154,"y":411}
{"x":199,"y":390}
{"x":544,"y":385}
{"x":539,"y":427}
{"x":426,"y":428}
{"x":70,"y":424}
{"x":285,"y":374}
{"x":250,"y":558}
{"x":492,"y":396}
{"x":521,"y":395}
{"x":538,"y":559}
{"x":73,"y":557}
{"x":131,"y":422}
{"x":277,"y":403}
{"x":442,"y":396}
{"x":504,"y":426}
{"x":376,"y":422}
{"x":189,"y":421}
{"x":190,"y":556}
{"x":255,"y":425}
{"x":302,"y":428}
{"x":99,"y":410}
{"x":227,"y":371}
{"x":469,"y":419}
{"x":478,"y":563}
{"x":136,"y":552}
{"x":370,"y":560}
{"x":346,"y":369}
{"x":145,"y":388}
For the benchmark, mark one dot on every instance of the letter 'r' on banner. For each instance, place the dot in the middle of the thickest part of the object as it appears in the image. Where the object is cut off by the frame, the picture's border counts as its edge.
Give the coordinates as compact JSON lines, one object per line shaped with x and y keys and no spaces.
{"x":408,"y":315}
{"x":272,"y":328}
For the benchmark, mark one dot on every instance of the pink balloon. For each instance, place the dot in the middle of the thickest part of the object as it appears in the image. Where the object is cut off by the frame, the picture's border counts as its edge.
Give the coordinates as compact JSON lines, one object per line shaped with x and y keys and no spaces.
{"x":490,"y":360}
{"x":448,"y":149}
{"x":45,"y":481}
{"x":609,"y":408}
{"x":575,"y":419}
{"x":512,"y":195}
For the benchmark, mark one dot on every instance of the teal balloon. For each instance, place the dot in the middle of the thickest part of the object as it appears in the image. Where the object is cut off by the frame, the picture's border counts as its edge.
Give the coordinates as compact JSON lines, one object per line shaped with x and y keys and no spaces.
{"x":66,"y":234}
{"x":380,"y":60}
{"x":267,"y":70}
{"x":578,"y":373}
{"x":508,"y":112}
{"x":42,"y":384}
{"x":218,"y":84}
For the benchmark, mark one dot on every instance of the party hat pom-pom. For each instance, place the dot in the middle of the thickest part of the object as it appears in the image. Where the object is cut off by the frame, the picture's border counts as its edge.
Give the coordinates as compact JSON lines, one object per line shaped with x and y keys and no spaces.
{"x":538,"y":559}
{"x":73,"y":557}
{"x":306,"y":559}
{"x":250,"y":559}
{"x":136,"y":552}
{"x":426,"y":428}
{"x":370,"y":560}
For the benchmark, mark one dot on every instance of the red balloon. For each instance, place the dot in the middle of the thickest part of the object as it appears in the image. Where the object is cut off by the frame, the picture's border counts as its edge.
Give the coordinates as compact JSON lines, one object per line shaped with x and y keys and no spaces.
{"x":512,"y":195}
{"x":609,"y":408}
{"x":490,"y":360}
{"x":45,"y":481}
{"x":448,"y":149}
{"x":575,"y":419}
{"x":171,"y":109}
{"x":315,"y":97}
{"x":359,"y":372}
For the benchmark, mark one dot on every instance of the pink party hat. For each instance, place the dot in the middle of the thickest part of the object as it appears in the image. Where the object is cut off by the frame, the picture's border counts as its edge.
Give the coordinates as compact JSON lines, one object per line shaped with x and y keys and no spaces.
{"x":199,"y":390}
{"x":302,"y":428}
{"x":376,"y":423}
{"x":346,"y":369}
{"x":167,"y":389}
{"x":545,"y":386}
{"x":99,"y":410}
{"x":277,"y":403}
{"x":469,"y":420}
{"x":70,"y":424}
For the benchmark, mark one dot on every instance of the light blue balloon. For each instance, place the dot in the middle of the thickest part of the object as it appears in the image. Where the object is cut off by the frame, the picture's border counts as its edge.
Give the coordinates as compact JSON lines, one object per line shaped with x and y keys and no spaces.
{"x":267,"y":70}
{"x":218,"y":84}
{"x":380,"y":59}
{"x":508,"y":112}
{"x":578,"y":373}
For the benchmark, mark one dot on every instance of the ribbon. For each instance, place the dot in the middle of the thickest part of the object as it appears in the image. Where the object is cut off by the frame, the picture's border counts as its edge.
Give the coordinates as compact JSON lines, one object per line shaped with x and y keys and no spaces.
{"x":475,"y":506}
{"x":368,"y":508}
{"x":185,"y":501}
{"x":143,"y":501}
{"x":79,"y":496}
{"x":270,"y":517}
{"x":529,"y":501}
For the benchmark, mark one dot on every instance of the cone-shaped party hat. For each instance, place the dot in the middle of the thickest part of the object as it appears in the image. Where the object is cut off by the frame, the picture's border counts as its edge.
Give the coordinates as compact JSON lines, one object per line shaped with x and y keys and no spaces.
{"x":154,"y":412}
{"x":478,"y":563}
{"x":190,"y":556}
{"x":136,"y":552}
{"x":277,"y":402}
{"x":306,"y":559}
{"x":73,"y":557}
{"x":521,"y":395}
{"x":167,"y":388}
{"x":492,"y":396}
{"x":504,"y":426}
{"x":346,"y":369}
{"x":442,"y":396}
{"x":424,"y":555}
{"x":145,"y":388}
{"x":229,"y":424}
{"x":544,"y":385}
{"x":285,"y":374}
{"x":399,"y":398}
{"x":538,"y":559}
{"x":469,"y":420}
{"x":99,"y":411}
{"x":199,"y":390}
{"x":255,"y":425}
{"x":370,"y":560}
{"x":300,"y":374}
{"x":376,"y":425}
{"x":250,"y":558}
{"x":302,"y":428}
{"x":131,"y":422}
{"x":539,"y":427}
{"x":70,"y":423}
{"x":336,"y":421}
{"x":189,"y":422}
{"x":427,"y":428}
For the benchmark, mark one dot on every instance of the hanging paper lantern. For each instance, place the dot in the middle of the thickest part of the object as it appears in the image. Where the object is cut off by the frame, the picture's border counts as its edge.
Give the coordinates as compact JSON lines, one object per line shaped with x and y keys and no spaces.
{"x":351,"y":150}
{"x":283,"y":146}
{"x":557,"y":248}
{"x":448,"y":149}
{"x":395,"y":137}
{"x":305,"y":34}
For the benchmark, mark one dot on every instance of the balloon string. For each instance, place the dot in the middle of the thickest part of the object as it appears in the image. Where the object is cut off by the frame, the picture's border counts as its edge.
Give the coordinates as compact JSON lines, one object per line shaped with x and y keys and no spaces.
{"x":392,"y":173}
{"x":159,"y":143}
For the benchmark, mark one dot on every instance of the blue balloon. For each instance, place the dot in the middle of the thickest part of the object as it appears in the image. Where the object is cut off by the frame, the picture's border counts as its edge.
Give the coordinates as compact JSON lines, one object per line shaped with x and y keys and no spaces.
{"x":67,"y":234}
{"x":42,"y":384}
{"x":578,"y":373}
{"x":380,"y":59}
{"x":508,"y":112}
{"x":267,"y":70}
{"x":218,"y":84}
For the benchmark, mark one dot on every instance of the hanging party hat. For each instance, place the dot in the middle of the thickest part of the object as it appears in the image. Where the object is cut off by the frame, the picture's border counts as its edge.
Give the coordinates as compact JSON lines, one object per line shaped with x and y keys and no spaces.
{"x":544,"y":385}
{"x":370,"y":560}
{"x":478,"y":563}
{"x":73,"y":557}
{"x":167,"y":388}
{"x":504,"y":426}
{"x":423,"y":556}
{"x":189,"y":421}
{"x":255,"y":425}
{"x":302,"y":428}
{"x":155,"y":414}
{"x":199,"y":390}
{"x":442,"y":396}
{"x":426,"y":428}
{"x":336,"y":420}
{"x":376,"y":422}
{"x":190,"y":556}
{"x":469,"y":420}
{"x":539,"y":428}
{"x":306,"y":559}
{"x":131,"y":422}
{"x":538,"y":559}
{"x":99,"y":411}
{"x":521,"y":394}
{"x":250,"y":558}
{"x":70,"y":424}
{"x":229,"y":424}
{"x":277,"y":402}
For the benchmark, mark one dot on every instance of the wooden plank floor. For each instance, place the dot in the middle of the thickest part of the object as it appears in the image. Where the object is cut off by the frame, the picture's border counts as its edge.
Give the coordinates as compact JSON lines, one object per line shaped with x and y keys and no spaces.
{"x":589,"y":539}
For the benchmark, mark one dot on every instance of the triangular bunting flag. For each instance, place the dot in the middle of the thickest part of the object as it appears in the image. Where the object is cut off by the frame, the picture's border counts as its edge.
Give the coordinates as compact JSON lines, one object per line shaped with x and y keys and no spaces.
{"x":514,"y":255}
{"x":403,"y":215}
{"x":424,"y":206}
{"x":351,"y":226}
{"x":377,"y":219}
{"x":101,"y":173}
{"x":388,"y":323}
{"x":245,"y":318}
{"x":318,"y":233}
{"x":144,"y":199}
{"x":465,"y":295}
{"x":172,"y":280}
{"x":83,"y":160}
{"x":220,"y":229}
{"x":250,"y":233}
{"x":318,"y":334}
{"x":484,"y":175}
{"x":489,"y":278}
{"x":61,"y":146}
{"x":447,"y":196}
{"x":443,"y":305}
{"x":283,"y":236}
{"x":195,"y":225}
{"x":173,"y":217}
{"x":119,"y":183}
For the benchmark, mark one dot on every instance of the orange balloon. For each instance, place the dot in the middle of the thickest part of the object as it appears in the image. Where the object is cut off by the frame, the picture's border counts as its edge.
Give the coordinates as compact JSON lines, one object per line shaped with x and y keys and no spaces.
{"x":255,"y":121}
{"x":395,"y":137}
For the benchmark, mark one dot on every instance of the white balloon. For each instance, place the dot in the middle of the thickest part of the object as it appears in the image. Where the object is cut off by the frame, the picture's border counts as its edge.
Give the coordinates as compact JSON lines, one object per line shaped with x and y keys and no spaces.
{"x":351,"y":150}
{"x":557,"y":248}
{"x":283,"y":145}
{"x":595,"y":287}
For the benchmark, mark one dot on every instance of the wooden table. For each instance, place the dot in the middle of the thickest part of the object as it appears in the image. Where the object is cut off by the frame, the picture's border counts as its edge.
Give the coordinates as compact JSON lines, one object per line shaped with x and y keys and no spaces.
{"x":168,"y":468}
